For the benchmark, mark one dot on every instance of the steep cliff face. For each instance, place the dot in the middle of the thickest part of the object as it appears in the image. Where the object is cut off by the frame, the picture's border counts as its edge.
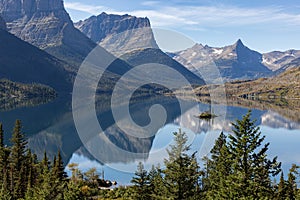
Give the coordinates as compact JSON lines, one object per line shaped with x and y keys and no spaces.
{"x":47,"y":25}
{"x":99,"y":27}
{"x":119,"y":34}
{"x":39,"y":22}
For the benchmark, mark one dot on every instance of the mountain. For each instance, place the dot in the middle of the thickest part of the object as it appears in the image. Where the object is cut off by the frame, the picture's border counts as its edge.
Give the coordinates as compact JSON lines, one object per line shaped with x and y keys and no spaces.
{"x":293,"y":64}
{"x":234,"y":61}
{"x":25,"y":63}
{"x":118,"y":33}
{"x":276,"y":60}
{"x":131,"y":38}
{"x":99,"y":27}
{"x":47,"y":25}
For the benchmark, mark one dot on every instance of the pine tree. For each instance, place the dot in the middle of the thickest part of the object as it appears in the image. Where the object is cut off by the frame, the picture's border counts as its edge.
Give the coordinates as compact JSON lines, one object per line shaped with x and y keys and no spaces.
{"x":1,"y":136}
{"x":43,"y":189}
{"x":182,"y":170}
{"x":250,"y":166}
{"x":281,"y":189}
{"x":291,"y":187}
{"x":156,"y":183}
{"x":218,"y":168}
{"x":4,"y":166}
{"x":4,"y":162}
{"x":73,"y":191}
{"x":18,"y":159}
{"x":141,"y":183}
{"x":59,"y":165}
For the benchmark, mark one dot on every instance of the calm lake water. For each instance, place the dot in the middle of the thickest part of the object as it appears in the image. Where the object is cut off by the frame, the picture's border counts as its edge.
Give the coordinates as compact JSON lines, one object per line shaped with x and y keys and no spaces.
{"x":282,"y":133}
{"x":51,"y":127}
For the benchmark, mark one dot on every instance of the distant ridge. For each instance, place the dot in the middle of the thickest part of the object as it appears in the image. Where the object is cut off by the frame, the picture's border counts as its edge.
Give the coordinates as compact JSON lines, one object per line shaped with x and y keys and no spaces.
{"x":235,"y":61}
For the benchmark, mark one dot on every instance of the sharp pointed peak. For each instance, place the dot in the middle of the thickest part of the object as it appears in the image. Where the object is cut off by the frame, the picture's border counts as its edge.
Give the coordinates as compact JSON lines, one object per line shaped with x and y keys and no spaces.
{"x":239,"y":42}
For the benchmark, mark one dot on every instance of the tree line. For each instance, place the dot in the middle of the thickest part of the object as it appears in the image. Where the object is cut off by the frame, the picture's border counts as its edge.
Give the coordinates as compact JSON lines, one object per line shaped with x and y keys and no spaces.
{"x":238,"y":167}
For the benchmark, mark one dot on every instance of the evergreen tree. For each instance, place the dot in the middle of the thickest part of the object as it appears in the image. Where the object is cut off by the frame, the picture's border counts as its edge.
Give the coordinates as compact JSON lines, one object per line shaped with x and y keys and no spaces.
{"x":251,"y":169}
{"x":59,"y":168}
{"x":1,"y":136}
{"x":291,"y":187}
{"x":141,"y":183}
{"x":44,"y":165}
{"x":156,"y":183}
{"x":182,"y":170}
{"x":73,"y":191}
{"x":18,"y":159}
{"x":4,"y":168}
{"x":46,"y":187}
{"x":281,"y":189}
{"x":218,"y":169}
{"x":4,"y":162}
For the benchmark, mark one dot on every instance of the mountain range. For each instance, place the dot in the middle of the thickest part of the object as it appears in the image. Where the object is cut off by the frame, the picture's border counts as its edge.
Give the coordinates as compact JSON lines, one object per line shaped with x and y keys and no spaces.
{"x":277,"y":60}
{"x":237,"y":61}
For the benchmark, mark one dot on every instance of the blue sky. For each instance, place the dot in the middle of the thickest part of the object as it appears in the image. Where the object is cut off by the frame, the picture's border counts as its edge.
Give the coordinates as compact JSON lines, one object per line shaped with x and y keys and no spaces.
{"x":263,"y":25}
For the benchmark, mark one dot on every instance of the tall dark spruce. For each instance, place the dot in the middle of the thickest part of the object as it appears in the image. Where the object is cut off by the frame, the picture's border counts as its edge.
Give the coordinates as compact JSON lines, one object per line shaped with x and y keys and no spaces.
{"x":182,"y":170}
{"x":243,"y":166}
{"x":18,"y":179}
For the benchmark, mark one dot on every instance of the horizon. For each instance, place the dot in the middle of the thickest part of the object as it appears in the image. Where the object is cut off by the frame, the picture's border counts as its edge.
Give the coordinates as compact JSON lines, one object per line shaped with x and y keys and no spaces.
{"x":262,"y":26}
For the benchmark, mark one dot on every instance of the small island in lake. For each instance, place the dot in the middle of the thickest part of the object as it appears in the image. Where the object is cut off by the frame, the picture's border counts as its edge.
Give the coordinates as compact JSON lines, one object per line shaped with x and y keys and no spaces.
{"x":206,"y":115}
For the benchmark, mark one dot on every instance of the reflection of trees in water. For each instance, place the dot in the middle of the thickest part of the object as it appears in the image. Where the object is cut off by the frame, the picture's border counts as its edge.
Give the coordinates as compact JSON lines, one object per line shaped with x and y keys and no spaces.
{"x":16,"y":95}
{"x":14,"y":103}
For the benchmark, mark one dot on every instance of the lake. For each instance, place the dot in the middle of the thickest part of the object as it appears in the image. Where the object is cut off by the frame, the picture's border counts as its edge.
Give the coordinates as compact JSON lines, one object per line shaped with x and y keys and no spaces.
{"x":283,"y":135}
{"x":51,"y":127}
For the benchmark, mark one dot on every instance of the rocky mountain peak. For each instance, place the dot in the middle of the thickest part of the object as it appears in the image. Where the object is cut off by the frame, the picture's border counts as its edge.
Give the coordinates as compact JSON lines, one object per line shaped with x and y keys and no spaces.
{"x":119,"y":34}
{"x":234,"y":61}
{"x":14,"y":9}
{"x":239,"y":43}
{"x":103,"y":25}
{"x":39,"y":22}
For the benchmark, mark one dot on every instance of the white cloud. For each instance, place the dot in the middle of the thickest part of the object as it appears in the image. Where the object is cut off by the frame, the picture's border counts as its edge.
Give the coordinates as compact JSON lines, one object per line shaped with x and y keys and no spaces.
{"x":200,"y":16}
{"x":150,"y":3}
{"x":94,"y":10}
